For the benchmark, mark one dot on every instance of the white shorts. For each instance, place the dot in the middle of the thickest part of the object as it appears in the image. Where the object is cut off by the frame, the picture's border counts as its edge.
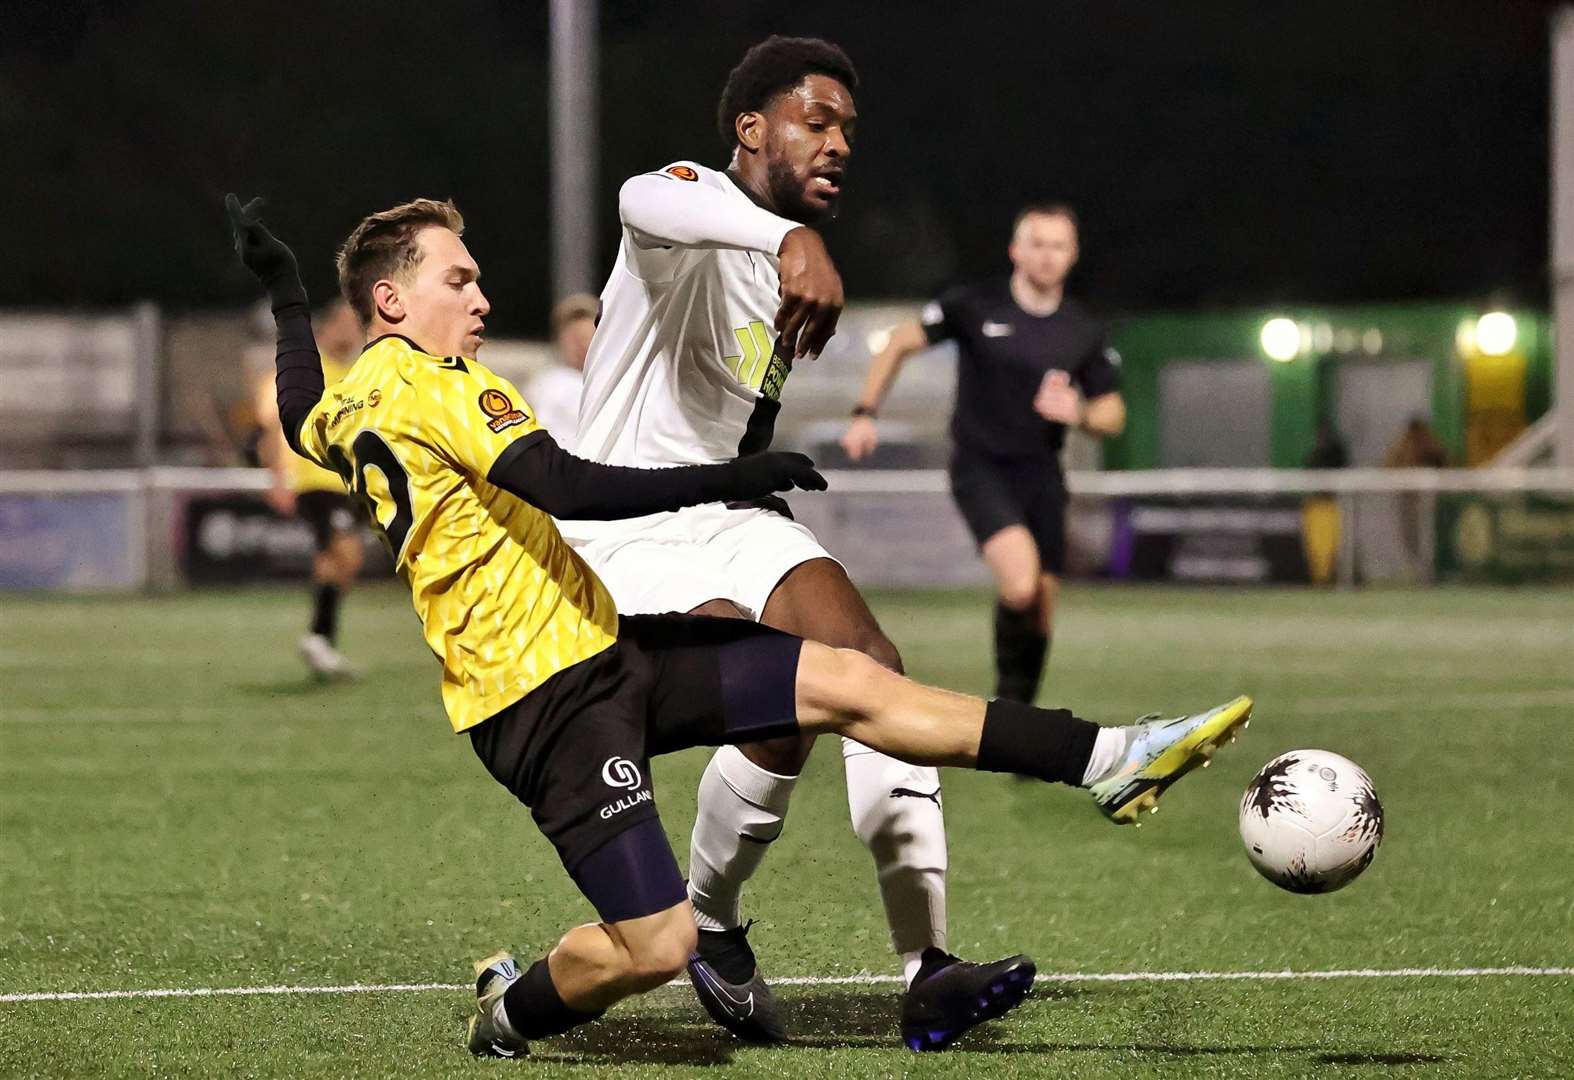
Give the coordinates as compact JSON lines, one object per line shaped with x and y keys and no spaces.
{"x":678,"y":561}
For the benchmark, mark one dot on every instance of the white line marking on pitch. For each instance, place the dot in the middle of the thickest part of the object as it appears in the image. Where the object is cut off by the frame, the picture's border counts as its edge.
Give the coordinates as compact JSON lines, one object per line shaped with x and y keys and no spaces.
{"x":839,"y":980}
{"x":1403,"y":703}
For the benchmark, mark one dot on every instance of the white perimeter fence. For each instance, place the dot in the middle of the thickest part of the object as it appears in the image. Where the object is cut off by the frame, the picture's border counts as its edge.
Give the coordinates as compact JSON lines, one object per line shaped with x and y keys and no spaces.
{"x":168,"y":528}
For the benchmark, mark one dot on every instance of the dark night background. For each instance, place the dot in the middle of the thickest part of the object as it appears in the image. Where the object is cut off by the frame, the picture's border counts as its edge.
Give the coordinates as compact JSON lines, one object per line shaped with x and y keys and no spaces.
{"x":1221,"y":153}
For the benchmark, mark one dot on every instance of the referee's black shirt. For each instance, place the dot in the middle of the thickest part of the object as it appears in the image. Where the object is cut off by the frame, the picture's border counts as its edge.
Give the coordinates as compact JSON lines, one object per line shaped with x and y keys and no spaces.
{"x":1004,"y":354}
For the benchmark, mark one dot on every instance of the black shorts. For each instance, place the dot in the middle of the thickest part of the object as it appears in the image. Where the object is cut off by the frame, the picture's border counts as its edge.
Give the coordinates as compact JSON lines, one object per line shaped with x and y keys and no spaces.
{"x":328,"y":513}
{"x":994,"y":493}
{"x":577,"y":749}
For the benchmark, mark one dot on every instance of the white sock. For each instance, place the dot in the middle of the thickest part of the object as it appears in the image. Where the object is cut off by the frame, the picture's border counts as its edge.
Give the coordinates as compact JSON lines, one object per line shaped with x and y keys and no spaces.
{"x":741,"y":807}
{"x":911,"y":962}
{"x":500,"y":1018}
{"x":896,"y":812}
{"x":1109,"y":752}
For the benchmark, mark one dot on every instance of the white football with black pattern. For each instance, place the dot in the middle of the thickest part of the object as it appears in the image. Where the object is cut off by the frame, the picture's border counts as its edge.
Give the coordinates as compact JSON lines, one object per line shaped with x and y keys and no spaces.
{"x":1311,"y":821}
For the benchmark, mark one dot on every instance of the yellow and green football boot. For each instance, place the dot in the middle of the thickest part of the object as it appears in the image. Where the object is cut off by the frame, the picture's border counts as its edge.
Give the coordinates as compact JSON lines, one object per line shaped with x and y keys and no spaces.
{"x":1160,"y":752}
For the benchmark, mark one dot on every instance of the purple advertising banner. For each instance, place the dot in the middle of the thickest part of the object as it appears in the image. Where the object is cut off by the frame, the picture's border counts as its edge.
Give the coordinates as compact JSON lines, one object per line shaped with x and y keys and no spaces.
{"x":69,"y":541}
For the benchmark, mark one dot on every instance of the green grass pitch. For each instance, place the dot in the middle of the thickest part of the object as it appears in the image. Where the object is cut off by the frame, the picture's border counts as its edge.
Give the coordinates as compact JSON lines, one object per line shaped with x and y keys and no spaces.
{"x":179,"y":808}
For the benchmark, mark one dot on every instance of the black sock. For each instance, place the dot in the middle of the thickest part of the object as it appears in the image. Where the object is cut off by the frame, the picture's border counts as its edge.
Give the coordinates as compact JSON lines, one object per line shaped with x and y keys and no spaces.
{"x":931,"y":961}
{"x":728,"y":952}
{"x":534,"y":1008}
{"x":325,"y":611}
{"x":1020,"y":651}
{"x":1050,"y":744}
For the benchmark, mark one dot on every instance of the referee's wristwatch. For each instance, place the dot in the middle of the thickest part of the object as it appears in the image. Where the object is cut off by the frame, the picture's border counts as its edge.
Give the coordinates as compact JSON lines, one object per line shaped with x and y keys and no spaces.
{"x":865,"y":410}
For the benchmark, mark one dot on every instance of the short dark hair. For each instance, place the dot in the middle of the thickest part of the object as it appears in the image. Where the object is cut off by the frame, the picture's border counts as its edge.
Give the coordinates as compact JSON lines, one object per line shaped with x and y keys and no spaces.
{"x":774,"y":65}
{"x":572,"y":308}
{"x":1048,"y":209}
{"x":383,"y":246}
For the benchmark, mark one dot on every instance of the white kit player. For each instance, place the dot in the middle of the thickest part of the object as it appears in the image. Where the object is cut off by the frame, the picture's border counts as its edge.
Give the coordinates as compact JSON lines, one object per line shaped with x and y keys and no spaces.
{"x":719,"y":287}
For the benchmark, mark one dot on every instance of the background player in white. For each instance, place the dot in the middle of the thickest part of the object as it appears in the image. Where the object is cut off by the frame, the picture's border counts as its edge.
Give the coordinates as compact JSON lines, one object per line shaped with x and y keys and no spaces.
{"x":554,"y":390}
{"x":718,"y":288}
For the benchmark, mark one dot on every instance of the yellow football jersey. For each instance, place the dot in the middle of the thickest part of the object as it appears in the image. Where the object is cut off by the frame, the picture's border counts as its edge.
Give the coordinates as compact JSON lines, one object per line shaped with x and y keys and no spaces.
{"x":505,"y":602}
{"x":306,"y":475}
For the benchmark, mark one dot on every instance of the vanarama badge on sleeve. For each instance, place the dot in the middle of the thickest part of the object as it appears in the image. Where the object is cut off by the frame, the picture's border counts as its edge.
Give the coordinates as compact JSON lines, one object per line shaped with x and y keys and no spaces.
{"x":495,"y":404}
{"x":682,"y":172}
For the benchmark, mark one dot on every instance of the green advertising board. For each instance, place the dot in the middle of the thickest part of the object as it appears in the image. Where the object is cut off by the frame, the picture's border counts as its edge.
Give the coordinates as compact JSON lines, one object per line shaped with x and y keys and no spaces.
{"x":1303,"y":386}
{"x":1505,"y":538}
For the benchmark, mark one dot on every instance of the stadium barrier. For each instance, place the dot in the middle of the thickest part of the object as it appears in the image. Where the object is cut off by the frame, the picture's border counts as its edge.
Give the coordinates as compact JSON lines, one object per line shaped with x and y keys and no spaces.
{"x":165,"y":528}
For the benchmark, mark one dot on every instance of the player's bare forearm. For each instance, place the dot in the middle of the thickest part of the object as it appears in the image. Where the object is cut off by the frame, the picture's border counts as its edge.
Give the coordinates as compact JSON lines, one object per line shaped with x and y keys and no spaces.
{"x":862,"y":436}
{"x":1105,"y":416}
{"x":906,"y":339}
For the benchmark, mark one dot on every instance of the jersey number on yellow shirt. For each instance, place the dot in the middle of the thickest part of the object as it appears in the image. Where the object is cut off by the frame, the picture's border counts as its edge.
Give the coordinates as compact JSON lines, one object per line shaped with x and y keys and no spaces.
{"x":372,"y":453}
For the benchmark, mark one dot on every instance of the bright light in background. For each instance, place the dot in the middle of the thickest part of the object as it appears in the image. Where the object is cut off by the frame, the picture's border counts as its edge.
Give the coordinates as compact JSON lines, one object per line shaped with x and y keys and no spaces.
{"x":1465,"y":338}
{"x":1281,"y":339}
{"x":1322,"y":337}
{"x":1496,"y":333}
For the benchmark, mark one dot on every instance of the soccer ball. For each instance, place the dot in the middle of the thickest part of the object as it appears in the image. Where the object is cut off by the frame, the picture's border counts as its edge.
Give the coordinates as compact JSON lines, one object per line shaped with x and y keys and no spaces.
{"x":1311,"y":821}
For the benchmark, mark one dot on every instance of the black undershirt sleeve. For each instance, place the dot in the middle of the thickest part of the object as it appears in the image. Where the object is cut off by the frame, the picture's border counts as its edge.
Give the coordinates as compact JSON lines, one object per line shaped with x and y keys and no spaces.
{"x":297,"y":368}
{"x":548,"y":477}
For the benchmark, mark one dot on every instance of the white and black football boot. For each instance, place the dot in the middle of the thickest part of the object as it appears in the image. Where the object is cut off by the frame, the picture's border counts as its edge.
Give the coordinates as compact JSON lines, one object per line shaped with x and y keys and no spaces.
{"x":494,"y":976}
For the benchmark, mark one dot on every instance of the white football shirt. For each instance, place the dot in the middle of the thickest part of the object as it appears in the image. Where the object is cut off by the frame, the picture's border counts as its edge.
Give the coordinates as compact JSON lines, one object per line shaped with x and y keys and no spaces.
{"x":553,"y":392}
{"x":683,"y":367}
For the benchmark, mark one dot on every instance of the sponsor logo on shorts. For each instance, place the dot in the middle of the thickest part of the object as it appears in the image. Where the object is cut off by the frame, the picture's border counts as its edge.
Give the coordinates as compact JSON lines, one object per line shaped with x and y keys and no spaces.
{"x":621,"y":772}
{"x":495,"y":404}
{"x":613,"y":809}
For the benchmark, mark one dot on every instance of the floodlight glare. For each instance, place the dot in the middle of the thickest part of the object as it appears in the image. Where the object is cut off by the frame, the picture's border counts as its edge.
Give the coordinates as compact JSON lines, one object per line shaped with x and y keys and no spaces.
{"x":1281,"y":339}
{"x":1496,"y":333}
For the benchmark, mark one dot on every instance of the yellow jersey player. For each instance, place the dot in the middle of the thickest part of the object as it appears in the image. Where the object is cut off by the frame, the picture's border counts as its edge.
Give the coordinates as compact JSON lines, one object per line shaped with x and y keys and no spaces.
{"x":563,"y":700}
{"x":317,"y":496}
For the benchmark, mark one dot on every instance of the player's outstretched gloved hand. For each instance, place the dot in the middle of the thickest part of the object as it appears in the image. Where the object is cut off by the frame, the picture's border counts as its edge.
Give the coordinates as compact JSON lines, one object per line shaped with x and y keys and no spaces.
{"x":264,"y":254}
{"x":777,"y":470}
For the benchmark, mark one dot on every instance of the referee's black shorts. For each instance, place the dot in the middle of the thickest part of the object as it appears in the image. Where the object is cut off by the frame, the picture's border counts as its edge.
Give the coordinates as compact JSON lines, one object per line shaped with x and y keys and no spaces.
{"x":577,"y":749}
{"x":993,"y":493}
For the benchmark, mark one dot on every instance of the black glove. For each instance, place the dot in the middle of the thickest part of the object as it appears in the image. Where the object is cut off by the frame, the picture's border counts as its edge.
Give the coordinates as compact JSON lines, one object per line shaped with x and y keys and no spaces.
{"x":264,"y":254}
{"x":775,"y":470}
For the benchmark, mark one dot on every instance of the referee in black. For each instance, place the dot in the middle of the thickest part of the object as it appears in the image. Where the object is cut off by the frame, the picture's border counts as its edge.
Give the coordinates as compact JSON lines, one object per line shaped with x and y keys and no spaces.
{"x":1033,"y":362}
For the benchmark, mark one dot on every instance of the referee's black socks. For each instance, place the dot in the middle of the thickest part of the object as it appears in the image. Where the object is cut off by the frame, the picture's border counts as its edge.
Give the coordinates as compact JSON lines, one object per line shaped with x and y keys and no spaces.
{"x":325,"y":611}
{"x":1050,"y":744}
{"x":535,"y":1009}
{"x":1020,"y":651}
